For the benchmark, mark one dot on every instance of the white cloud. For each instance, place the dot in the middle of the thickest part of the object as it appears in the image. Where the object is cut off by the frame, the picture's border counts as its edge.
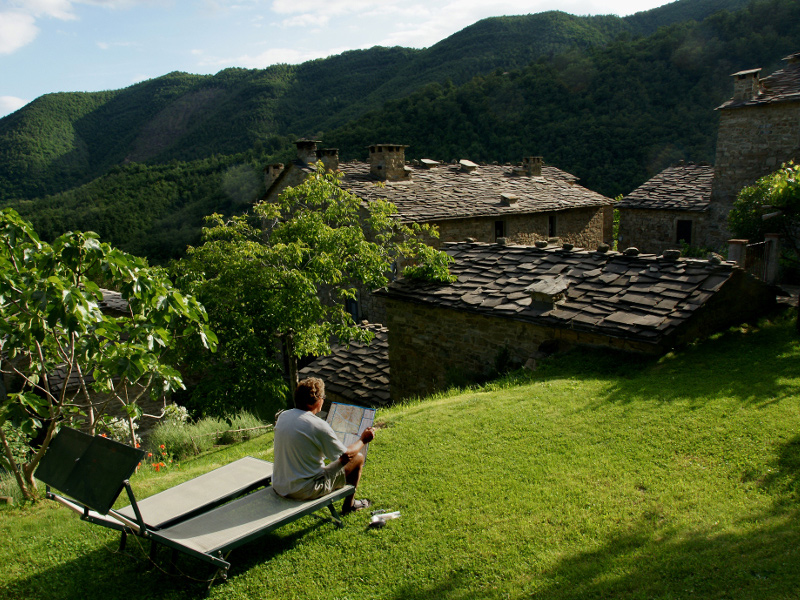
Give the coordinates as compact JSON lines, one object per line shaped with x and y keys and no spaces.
{"x":306,"y":20}
{"x":16,"y":30}
{"x":57,"y":9}
{"x":9,"y":104}
{"x":109,"y":45}
{"x":272,"y":56}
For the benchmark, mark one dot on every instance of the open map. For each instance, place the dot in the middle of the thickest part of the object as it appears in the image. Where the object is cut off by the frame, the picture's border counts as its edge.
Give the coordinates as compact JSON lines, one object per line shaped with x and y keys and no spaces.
{"x":348,"y":421}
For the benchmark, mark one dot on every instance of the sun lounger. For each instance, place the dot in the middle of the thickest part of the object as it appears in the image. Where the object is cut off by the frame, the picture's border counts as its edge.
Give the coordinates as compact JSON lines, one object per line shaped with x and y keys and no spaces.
{"x":201,"y":493}
{"x":205,"y":517}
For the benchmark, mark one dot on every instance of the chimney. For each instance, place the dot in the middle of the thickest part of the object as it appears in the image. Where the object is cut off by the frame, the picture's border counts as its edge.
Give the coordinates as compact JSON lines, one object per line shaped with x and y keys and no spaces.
{"x":330,"y":158}
{"x":549,"y":291}
{"x":746,"y":85}
{"x":307,"y":151}
{"x":532,"y":165}
{"x":508,"y":199}
{"x":271,"y":173}
{"x":467,"y":166}
{"x":387,"y":162}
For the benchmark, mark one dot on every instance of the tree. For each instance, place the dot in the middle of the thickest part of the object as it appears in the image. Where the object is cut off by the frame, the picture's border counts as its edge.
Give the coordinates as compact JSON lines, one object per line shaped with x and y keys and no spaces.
{"x":51,"y":321}
{"x":772,"y":205}
{"x":281,"y":275}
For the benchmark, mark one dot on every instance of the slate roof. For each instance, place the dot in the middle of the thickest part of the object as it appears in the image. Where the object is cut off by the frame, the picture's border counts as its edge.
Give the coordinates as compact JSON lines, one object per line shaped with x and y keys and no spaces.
{"x":113,"y":302}
{"x":642,"y":298}
{"x":447,"y":192}
{"x":359,"y":374}
{"x":680,"y":187}
{"x":782,"y":86}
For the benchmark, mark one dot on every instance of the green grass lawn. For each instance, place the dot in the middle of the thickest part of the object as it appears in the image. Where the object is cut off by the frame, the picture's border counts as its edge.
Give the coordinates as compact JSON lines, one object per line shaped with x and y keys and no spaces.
{"x":598,"y":476}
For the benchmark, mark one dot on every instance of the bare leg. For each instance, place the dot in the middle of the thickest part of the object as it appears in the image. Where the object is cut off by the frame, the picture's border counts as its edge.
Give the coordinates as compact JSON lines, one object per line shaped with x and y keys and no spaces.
{"x":352,"y":473}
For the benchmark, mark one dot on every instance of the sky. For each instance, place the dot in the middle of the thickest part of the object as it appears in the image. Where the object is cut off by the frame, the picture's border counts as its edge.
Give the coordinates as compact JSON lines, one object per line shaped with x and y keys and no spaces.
{"x":91,"y":45}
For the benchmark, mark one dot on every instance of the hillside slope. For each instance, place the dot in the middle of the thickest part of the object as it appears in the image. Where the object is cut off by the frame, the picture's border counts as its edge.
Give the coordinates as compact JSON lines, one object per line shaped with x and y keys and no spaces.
{"x":613,"y":115}
{"x":67,"y":139}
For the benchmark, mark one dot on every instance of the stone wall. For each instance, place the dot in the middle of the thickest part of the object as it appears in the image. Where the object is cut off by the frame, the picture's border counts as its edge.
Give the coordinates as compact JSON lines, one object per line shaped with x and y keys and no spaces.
{"x":582,"y":227}
{"x":653,"y":231}
{"x":431,"y":348}
{"x":752,"y":141}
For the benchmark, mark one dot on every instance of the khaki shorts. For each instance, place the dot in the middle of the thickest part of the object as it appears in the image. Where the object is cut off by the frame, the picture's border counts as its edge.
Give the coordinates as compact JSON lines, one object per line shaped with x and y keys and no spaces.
{"x":330,"y":478}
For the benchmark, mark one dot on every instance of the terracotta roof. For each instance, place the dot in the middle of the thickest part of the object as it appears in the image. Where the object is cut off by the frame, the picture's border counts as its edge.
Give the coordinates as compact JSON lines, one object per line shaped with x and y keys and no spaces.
{"x":448,"y":192}
{"x":681,"y":187}
{"x":782,"y":86}
{"x":643,"y":298}
{"x":360,"y":373}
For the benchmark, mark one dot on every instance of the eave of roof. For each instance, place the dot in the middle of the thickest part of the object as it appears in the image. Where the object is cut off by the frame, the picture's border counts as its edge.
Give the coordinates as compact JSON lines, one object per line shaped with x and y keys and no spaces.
{"x":642,"y":298}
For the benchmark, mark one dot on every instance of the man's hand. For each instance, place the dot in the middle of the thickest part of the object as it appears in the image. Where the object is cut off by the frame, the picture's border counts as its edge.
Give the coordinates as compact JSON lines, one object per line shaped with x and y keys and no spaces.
{"x":368,"y":435}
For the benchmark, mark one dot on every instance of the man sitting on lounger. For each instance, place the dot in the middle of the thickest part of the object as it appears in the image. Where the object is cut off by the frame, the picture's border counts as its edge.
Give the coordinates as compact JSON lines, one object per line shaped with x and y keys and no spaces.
{"x":303,"y":441}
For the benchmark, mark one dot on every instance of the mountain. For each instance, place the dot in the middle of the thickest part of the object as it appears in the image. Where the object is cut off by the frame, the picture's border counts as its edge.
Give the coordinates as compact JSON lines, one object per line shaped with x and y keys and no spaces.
{"x":613,"y":114}
{"x":603,"y":97}
{"x":66,"y":139}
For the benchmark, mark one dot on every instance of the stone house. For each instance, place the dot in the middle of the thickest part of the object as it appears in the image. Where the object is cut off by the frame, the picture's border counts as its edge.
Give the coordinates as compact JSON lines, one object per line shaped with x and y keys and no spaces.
{"x":759,"y":129}
{"x":482,"y":202}
{"x":514,"y":303}
{"x":669,"y":210}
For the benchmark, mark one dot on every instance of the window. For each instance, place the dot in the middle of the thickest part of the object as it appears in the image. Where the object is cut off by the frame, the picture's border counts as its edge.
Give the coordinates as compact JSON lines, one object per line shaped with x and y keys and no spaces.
{"x":351,"y":305}
{"x":683,"y":232}
{"x":552,"y":230}
{"x":499,"y":229}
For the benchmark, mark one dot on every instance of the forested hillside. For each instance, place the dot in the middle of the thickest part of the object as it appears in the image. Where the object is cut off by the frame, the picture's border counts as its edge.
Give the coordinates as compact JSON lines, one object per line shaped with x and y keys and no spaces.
{"x":598,"y":96}
{"x":614,"y":115}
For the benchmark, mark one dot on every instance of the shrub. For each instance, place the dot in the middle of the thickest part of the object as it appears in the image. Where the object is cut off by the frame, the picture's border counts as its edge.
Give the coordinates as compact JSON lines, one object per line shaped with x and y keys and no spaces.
{"x":189,"y":439}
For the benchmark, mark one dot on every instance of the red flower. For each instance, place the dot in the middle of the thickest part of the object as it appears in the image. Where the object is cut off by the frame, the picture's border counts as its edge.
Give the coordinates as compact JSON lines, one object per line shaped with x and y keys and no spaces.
{"x":162,"y":446}
{"x":149,"y":454}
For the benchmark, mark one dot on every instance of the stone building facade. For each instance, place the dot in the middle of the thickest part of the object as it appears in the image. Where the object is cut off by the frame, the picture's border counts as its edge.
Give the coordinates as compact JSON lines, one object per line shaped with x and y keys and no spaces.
{"x":512,"y":304}
{"x":759,"y":129}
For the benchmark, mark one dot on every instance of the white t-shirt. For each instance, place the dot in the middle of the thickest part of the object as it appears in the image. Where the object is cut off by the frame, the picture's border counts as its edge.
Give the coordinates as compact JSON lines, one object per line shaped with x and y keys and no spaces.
{"x":302,"y":442}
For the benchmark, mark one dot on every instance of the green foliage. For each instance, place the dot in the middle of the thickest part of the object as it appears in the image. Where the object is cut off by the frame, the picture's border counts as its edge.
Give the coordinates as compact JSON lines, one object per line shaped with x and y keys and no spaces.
{"x":51,"y":320}
{"x":185,"y":440}
{"x":155,"y":210}
{"x":433,"y":266}
{"x":771,"y":205}
{"x":282,"y":275}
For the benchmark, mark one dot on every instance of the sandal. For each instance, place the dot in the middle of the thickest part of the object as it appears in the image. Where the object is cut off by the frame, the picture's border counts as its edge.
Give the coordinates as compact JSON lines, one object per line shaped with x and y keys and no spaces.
{"x":357,"y":505}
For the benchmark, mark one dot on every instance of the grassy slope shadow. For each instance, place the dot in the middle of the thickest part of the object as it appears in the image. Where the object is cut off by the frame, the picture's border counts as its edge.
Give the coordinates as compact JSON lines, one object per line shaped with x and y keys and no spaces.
{"x":105,"y":573}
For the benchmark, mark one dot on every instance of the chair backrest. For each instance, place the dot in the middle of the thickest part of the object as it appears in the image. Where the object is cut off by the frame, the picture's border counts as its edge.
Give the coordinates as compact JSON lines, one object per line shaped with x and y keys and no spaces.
{"x":90,"y":469}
